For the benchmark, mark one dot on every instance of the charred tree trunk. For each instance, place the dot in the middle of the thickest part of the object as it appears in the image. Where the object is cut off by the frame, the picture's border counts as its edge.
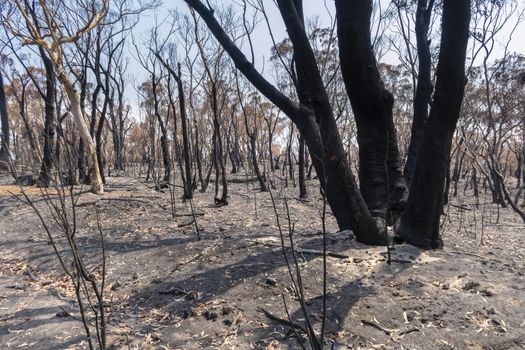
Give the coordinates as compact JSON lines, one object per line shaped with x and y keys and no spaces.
{"x":198,"y":157}
{"x":317,"y":125}
{"x":49,"y":124}
{"x":21,"y":100}
{"x":166,"y":160}
{"x":424,"y":85}
{"x":420,"y":220}
{"x":380,"y":178}
{"x":188,"y":188}
{"x":100,"y":129}
{"x":256,"y":169}
{"x":4,"y":117}
{"x":303,"y":193}
{"x":289,"y":158}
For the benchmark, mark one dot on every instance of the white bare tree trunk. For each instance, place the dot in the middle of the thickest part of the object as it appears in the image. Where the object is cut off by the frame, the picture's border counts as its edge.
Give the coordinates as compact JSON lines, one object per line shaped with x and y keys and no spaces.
{"x":97,"y":186}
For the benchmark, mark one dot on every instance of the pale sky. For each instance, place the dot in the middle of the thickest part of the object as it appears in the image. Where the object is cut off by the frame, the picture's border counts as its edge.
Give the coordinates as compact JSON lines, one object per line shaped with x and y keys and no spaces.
{"x":262,"y":41}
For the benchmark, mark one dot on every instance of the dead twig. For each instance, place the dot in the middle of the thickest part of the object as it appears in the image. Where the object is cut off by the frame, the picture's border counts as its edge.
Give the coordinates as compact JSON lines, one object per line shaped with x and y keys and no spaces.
{"x":283,"y":320}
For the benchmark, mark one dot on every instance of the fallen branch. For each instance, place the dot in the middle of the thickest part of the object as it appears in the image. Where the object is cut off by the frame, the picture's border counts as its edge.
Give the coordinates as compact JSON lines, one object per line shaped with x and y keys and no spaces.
{"x":304,"y":251}
{"x":461,"y":207}
{"x":376,"y":325}
{"x":283,"y":320}
{"x":184,"y":224}
{"x":196,"y":256}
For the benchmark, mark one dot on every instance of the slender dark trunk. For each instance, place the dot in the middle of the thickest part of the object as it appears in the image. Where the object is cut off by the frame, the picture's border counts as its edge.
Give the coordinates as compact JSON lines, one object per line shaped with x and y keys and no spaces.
{"x":420,"y":220}
{"x":98,"y":133}
{"x":49,"y":123}
{"x":188,"y":190}
{"x":256,"y":169}
{"x":23,"y":115}
{"x":302,"y":178}
{"x":270,"y":148}
{"x":81,"y":163}
{"x":289,"y":157}
{"x":424,"y":84}
{"x":166,"y":161}
{"x":220,"y":158}
{"x":198,"y":161}
{"x":4,"y":117}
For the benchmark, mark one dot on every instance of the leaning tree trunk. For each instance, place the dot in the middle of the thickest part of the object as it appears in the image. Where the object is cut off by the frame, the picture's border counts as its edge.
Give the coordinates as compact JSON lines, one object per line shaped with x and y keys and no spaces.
{"x":4,"y":137}
{"x":79,"y":120}
{"x":380,"y":178}
{"x":420,"y":220}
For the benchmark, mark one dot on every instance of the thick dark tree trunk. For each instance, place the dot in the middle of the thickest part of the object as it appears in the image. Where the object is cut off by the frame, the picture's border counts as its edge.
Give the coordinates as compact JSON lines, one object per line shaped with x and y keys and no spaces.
{"x":317,"y":125}
{"x":380,"y":178}
{"x":49,"y":124}
{"x":420,"y":220}
{"x":424,"y":84}
{"x":4,"y":117}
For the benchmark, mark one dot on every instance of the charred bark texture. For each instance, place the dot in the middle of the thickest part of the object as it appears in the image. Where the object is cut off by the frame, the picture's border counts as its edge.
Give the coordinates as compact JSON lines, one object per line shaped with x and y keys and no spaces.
{"x":420,"y":220}
{"x":380,"y":177}
{"x":424,"y":84}
{"x":4,"y":117}
{"x":49,"y":123}
{"x":317,"y":125}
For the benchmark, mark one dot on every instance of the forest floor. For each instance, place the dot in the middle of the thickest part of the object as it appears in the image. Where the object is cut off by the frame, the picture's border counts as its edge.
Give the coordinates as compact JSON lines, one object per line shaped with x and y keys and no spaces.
{"x":168,"y":290}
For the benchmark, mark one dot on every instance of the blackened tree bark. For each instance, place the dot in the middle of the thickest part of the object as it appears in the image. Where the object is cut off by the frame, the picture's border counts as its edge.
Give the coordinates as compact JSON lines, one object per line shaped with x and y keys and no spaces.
{"x":252,"y":140}
{"x":20,"y":95}
{"x":424,"y":84}
{"x":188,"y":188}
{"x":49,"y":122}
{"x":4,"y":117}
{"x":380,"y":177}
{"x":214,"y":84}
{"x":98,"y":137}
{"x":117,"y":117}
{"x":317,"y":124}
{"x":420,"y":220}
{"x":166,"y":160}
{"x":188,"y":191}
{"x":303,"y":193}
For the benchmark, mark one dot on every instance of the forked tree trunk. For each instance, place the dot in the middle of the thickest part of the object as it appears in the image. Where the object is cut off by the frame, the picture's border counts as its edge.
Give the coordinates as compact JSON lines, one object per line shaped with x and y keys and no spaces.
{"x":380,"y":178}
{"x":420,"y":220}
{"x":318,"y":126}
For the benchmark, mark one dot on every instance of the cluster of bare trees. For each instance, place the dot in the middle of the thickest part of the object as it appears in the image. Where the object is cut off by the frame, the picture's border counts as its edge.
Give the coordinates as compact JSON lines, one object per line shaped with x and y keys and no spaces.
{"x":205,"y":111}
